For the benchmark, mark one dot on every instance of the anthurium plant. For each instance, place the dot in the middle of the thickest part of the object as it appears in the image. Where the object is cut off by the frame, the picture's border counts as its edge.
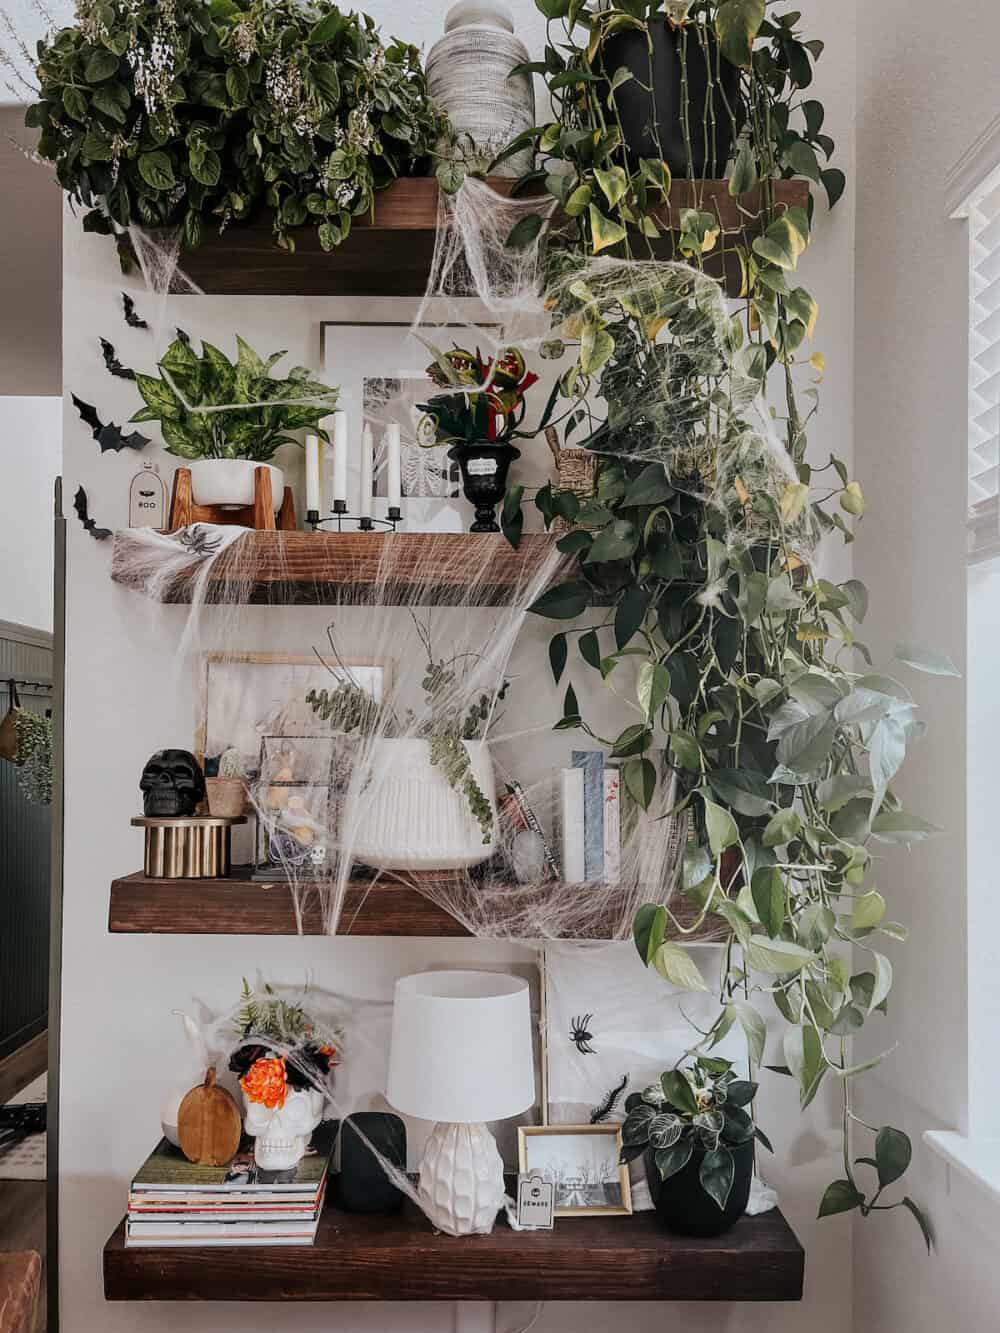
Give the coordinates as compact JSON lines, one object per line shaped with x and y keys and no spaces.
{"x":697,"y":1111}
{"x":211,"y":407}
{"x":199,"y":113}
{"x":692,"y":596}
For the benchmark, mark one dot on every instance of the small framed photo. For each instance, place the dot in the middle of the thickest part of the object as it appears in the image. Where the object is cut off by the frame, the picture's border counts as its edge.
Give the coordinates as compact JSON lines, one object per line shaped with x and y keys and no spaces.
{"x":582,"y":1163}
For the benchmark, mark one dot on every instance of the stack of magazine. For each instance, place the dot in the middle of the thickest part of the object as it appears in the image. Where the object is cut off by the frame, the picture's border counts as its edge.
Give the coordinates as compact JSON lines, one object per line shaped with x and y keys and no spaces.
{"x":174,"y":1202}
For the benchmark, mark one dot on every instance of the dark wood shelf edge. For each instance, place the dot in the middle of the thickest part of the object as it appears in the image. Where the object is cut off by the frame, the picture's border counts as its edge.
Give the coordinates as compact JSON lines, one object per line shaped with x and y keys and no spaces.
{"x":140,"y":905}
{"x":400,"y":1258}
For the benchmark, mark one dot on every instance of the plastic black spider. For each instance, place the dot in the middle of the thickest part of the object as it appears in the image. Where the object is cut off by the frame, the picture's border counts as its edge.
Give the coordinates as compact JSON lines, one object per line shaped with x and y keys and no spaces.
{"x":579,"y":1035}
{"x":198,"y":542}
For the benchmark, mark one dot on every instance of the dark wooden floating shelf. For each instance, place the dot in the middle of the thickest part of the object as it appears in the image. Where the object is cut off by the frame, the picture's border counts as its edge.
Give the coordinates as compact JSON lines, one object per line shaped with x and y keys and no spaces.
{"x":241,"y":906}
{"x":399,"y":568}
{"x":399,"y":1258}
{"x":388,"y":253}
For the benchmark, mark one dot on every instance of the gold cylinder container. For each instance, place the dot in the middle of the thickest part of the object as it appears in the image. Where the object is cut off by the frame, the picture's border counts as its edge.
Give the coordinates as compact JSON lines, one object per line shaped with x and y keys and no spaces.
{"x":195,"y":848}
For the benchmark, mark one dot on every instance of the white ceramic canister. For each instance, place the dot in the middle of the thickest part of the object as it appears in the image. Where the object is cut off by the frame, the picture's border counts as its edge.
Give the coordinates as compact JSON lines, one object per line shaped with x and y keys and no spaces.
{"x":467,"y":75}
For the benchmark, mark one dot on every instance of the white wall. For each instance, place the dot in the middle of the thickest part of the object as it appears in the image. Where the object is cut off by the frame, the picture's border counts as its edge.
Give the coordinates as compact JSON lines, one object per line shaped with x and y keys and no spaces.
{"x":127,"y":696}
{"x":30,"y":459}
{"x":926,"y":91}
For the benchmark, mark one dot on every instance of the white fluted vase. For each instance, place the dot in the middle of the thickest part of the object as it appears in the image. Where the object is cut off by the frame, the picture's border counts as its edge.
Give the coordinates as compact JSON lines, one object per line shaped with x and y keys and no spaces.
{"x":461,"y":1179}
{"x":468,"y":75}
{"x":402,"y":814}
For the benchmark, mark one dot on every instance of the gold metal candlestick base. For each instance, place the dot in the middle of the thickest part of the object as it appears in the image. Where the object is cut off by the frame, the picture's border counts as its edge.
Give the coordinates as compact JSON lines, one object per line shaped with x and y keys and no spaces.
{"x":195,"y":848}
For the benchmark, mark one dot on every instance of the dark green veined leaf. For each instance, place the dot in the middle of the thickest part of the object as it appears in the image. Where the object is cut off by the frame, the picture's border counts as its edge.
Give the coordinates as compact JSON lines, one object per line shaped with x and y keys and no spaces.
{"x":671,"y":1160}
{"x":892,"y":1154}
{"x":512,"y":515}
{"x":920,"y":1219}
{"x":525,"y":231}
{"x":557,"y":655}
{"x":100,"y":65}
{"x":630,"y":614}
{"x":329,"y":27}
{"x":156,"y":170}
{"x":563,"y":602}
{"x":590,"y":649}
{"x":648,"y":930}
{"x":840,"y":1197}
{"x":633,"y":740}
{"x":678,"y":1092}
{"x":206,"y":167}
{"x":327,"y":83}
{"x":650,"y":487}
{"x":640,"y":781}
{"x":716,"y":1175}
{"x":767,"y":889}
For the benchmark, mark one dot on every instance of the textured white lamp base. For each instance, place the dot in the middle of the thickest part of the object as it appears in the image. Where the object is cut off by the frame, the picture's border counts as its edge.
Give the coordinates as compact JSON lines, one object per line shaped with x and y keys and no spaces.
{"x":461,"y":1179}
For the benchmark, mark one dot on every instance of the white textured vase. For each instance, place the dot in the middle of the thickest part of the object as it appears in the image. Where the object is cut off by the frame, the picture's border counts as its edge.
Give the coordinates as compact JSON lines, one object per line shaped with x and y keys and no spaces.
{"x":461,"y":1179}
{"x":403,"y":815}
{"x":230,"y":481}
{"x":467,"y":75}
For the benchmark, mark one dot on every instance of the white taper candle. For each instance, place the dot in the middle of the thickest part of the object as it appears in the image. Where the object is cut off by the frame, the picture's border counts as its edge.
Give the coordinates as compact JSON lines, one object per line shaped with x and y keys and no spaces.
{"x":367,"y":466}
{"x":312,"y":474}
{"x":394,"y":479}
{"x":340,"y":455}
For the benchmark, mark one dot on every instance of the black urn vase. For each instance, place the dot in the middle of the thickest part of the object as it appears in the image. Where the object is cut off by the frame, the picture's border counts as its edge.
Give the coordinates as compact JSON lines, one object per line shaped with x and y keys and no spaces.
{"x":685,"y":1208}
{"x":484,"y":468}
{"x":651,"y":103}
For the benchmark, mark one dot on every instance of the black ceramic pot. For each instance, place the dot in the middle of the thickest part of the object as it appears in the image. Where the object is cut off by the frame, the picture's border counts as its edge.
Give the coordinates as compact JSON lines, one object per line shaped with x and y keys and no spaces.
{"x":484,"y":478}
{"x":646,"y":103}
{"x":684,"y":1207}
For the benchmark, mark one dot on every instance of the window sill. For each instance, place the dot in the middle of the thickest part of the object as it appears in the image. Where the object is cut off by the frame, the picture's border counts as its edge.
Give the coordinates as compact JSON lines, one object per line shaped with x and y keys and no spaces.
{"x":972,"y":1179}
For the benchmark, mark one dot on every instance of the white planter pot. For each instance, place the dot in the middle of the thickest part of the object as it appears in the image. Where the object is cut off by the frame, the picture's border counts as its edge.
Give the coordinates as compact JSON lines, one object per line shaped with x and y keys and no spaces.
{"x":229,"y":482}
{"x":401,"y":814}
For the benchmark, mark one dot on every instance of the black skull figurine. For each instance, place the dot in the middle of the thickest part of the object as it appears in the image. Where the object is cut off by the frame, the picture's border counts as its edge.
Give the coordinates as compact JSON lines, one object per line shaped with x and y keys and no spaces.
{"x":172,"y":785}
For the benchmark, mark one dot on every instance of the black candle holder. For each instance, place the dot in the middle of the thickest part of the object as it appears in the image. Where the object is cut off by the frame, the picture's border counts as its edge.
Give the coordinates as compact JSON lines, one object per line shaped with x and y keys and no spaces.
{"x":340,"y":516}
{"x":484,"y":468}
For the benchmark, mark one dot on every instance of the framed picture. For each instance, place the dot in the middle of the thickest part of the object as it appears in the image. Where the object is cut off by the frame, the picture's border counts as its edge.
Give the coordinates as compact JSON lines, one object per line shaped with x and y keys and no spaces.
{"x":249,"y":696}
{"x":582,"y":1162}
{"x":381,"y":370}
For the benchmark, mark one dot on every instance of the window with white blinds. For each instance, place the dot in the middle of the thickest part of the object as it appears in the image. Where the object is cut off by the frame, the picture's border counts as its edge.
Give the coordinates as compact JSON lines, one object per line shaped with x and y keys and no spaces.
{"x":984,"y":379}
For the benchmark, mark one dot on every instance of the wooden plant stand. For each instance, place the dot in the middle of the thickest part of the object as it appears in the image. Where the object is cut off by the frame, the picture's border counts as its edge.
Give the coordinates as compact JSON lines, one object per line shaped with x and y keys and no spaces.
{"x":260,"y":515}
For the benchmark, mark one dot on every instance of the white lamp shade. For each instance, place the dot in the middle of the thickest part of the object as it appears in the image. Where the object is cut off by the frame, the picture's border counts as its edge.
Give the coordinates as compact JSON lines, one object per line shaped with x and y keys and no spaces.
{"x":461,"y":1047}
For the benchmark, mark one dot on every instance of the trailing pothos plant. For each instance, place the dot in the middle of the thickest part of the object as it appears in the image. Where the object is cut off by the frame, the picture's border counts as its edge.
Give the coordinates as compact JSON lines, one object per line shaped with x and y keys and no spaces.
{"x":199,"y":113}
{"x":759,"y":68}
{"x":692,"y":596}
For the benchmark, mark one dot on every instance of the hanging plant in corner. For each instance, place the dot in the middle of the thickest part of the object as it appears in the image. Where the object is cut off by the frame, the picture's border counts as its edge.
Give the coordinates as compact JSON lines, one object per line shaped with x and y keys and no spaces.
{"x":693,"y":561}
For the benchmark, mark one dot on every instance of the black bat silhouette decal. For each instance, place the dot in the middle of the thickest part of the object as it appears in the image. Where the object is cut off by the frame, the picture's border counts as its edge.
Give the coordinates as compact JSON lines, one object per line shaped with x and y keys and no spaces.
{"x":113,"y":365}
{"x":109,"y":436}
{"x":131,"y":318}
{"x":80,"y":505}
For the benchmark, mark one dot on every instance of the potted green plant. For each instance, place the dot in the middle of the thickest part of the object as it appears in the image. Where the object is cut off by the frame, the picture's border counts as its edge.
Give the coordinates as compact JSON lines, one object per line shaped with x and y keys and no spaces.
{"x":478,"y":417}
{"x":226,"y":418}
{"x":203,"y":113}
{"x":422,"y":796}
{"x":696,"y":1136}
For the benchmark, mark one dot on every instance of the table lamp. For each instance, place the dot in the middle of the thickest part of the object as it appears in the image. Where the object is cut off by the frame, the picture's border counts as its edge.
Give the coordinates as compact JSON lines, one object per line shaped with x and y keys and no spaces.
{"x":461,"y":1054}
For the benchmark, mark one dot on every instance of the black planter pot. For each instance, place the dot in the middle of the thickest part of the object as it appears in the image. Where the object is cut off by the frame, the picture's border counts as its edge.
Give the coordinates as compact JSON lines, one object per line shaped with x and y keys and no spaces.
{"x":684,"y":1207}
{"x":484,"y":478}
{"x":655,"y":103}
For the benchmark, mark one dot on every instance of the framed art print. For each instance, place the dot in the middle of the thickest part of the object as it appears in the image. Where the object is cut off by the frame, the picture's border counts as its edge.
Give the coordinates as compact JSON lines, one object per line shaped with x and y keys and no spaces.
{"x":582,"y":1163}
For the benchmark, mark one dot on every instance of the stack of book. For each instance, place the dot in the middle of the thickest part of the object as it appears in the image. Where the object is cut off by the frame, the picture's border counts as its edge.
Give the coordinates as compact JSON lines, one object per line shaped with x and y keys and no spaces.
{"x":175,"y":1203}
{"x":589,"y":819}
{"x":604,"y":836}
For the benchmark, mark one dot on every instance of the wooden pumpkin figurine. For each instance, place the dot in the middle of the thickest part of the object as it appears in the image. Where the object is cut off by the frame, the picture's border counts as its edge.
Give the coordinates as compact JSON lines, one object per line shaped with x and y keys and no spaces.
{"x":208,"y":1124}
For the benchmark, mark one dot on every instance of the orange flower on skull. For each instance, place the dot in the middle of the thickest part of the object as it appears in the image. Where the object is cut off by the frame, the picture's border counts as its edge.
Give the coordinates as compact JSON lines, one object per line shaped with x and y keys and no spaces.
{"x":266,"y":1082}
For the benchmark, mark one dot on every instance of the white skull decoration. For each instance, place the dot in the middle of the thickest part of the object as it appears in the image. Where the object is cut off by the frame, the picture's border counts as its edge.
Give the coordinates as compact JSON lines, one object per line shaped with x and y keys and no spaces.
{"x":282,"y":1133}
